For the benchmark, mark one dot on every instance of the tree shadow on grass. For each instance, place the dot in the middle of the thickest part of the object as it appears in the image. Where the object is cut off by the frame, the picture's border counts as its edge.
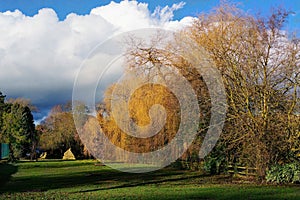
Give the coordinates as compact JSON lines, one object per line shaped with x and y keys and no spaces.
{"x":6,"y":170}
{"x":104,"y":179}
{"x":147,"y":180}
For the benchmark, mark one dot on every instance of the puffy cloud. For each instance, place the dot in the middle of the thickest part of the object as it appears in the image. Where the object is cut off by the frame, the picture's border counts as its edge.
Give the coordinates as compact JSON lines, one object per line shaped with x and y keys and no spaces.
{"x":40,"y":55}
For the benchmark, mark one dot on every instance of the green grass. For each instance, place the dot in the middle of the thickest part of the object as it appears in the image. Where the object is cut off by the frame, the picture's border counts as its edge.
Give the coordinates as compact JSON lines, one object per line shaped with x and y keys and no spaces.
{"x":85,"y":180}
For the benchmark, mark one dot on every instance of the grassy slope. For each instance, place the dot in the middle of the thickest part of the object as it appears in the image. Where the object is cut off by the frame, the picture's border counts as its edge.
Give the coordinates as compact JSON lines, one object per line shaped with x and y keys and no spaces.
{"x":84,"y":180}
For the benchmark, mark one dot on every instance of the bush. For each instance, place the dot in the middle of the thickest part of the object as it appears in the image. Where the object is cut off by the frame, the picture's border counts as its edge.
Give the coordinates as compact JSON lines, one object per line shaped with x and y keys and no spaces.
{"x":288,"y":173}
{"x":215,"y":162}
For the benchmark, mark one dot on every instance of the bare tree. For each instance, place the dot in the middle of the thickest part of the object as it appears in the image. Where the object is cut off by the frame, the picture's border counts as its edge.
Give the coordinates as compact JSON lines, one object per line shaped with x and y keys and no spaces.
{"x":260,"y":68}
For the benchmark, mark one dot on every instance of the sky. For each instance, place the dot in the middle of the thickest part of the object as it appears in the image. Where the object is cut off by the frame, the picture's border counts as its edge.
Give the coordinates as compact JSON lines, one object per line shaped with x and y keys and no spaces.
{"x":44,"y":42}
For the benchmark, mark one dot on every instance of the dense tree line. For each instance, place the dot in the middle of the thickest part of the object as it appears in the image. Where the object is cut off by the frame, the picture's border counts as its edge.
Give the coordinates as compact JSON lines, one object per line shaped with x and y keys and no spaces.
{"x":260,"y":68}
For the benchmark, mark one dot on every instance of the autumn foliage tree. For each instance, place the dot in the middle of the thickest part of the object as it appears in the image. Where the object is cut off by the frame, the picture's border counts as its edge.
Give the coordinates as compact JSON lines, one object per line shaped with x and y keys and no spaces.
{"x":141,"y":102}
{"x":150,"y":63}
{"x":58,"y":133}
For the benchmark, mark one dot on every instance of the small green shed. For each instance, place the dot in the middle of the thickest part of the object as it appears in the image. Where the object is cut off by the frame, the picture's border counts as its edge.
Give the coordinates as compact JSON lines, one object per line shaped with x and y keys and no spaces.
{"x":4,"y":151}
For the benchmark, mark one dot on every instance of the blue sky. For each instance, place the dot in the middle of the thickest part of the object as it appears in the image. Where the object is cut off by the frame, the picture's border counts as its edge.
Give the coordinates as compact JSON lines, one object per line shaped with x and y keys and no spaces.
{"x":40,"y":55}
{"x":192,"y":7}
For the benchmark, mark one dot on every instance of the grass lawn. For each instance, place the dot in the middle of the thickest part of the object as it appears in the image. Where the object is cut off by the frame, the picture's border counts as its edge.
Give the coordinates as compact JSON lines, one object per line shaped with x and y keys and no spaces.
{"x":85,"y":180}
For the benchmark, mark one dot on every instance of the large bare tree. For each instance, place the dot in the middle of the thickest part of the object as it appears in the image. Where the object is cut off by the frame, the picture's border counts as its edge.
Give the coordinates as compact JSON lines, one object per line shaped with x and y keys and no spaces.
{"x":260,"y":68}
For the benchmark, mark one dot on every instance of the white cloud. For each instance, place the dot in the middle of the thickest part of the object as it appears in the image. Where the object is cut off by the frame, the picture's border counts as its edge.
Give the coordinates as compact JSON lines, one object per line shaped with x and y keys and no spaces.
{"x":40,"y":55}
{"x":165,"y":14}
